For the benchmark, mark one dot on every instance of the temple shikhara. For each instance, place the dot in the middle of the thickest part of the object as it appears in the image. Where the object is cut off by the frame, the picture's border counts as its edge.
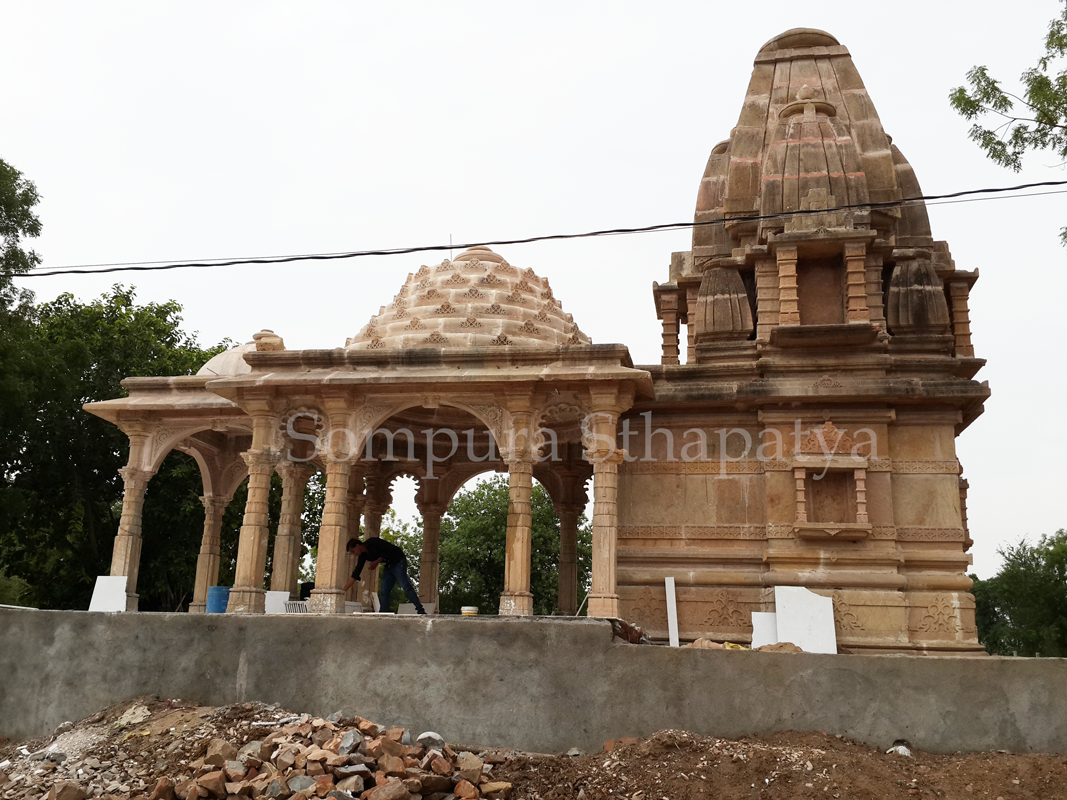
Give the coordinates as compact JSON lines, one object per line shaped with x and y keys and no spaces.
{"x":802,"y":434}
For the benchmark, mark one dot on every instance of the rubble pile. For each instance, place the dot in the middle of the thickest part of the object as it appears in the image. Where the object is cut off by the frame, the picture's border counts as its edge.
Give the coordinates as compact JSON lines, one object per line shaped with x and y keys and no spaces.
{"x":171,"y":750}
{"x":245,"y":752}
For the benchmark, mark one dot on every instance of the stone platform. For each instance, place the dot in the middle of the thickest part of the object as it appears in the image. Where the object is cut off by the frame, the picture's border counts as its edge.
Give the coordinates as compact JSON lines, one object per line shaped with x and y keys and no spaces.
{"x":540,"y":684}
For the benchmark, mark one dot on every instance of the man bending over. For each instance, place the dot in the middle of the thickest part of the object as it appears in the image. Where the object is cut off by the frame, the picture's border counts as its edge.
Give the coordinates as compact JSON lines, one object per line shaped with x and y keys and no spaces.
{"x":377,"y":551}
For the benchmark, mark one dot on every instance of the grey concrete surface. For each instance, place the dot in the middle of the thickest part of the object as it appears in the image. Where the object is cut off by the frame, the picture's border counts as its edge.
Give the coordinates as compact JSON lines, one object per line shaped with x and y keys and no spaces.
{"x":536,"y":684}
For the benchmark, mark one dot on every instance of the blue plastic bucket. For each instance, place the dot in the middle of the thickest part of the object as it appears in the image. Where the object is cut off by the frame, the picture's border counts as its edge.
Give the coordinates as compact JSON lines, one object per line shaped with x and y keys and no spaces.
{"x":217,"y":598}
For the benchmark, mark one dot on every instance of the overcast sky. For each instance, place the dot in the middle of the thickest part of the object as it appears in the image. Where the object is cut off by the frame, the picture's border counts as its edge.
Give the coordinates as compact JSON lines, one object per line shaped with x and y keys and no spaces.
{"x":202,"y":130}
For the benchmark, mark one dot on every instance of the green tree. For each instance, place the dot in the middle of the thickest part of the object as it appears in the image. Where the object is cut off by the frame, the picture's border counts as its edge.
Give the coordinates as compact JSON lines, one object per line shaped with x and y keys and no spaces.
{"x":1023,"y":609}
{"x":473,"y":538}
{"x":18,"y":196}
{"x":1035,"y":121}
{"x":61,"y":495}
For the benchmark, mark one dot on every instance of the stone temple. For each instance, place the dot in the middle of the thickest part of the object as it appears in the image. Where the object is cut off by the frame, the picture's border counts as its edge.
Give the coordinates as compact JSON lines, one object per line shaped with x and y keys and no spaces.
{"x":805,"y":436}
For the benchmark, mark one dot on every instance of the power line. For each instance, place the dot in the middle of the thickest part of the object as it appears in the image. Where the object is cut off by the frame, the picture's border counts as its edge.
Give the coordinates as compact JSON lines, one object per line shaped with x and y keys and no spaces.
{"x":150,"y":266}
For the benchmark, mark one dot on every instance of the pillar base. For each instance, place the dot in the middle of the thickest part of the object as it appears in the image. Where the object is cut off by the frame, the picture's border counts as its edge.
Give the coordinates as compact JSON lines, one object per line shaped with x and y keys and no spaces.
{"x":198,"y":608}
{"x":327,"y":601}
{"x":519,"y":604}
{"x":246,"y":601}
{"x":131,"y":602}
{"x":604,"y":605}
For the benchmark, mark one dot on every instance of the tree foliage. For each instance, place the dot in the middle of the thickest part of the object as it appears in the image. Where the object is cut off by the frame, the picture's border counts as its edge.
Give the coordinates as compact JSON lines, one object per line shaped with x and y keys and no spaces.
{"x":1023,"y":609}
{"x":1035,"y":121}
{"x":61,"y":494}
{"x":18,"y":220}
{"x":473,"y":539}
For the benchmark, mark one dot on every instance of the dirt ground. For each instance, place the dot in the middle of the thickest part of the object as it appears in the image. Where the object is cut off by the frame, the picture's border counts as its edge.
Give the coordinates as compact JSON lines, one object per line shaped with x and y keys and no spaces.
{"x":122,"y":751}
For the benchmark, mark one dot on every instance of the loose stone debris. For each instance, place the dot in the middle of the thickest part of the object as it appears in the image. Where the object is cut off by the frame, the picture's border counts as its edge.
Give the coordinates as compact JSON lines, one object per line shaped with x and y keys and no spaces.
{"x":173,"y":750}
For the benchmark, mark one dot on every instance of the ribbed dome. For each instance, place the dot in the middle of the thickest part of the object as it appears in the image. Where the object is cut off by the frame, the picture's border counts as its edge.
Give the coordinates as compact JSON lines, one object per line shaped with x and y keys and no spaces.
{"x":478,"y":300}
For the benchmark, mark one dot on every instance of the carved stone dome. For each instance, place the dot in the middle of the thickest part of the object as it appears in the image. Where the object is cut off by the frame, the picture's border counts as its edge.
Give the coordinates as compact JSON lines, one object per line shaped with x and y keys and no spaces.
{"x":478,"y":300}
{"x":229,"y":362}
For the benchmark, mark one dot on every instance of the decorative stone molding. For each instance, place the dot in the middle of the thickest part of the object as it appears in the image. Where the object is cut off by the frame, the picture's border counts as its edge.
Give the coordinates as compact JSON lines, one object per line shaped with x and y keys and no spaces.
{"x":649,"y":611}
{"x":779,"y":530}
{"x":827,"y":439}
{"x":919,"y":467}
{"x":722,"y":612}
{"x":846,"y":621}
{"x":940,"y":616}
{"x":710,"y":467}
{"x":692,"y":532}
{"x":931,"y":534}
{"x":827,"y":382}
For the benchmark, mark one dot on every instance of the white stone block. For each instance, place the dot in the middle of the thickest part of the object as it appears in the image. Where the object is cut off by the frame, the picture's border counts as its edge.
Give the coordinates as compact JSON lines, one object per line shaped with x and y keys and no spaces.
{"x":274,"y":602}
{"x":109,"y":593}
{"x":805,"y":619}
{"x":672,"y":612}
{"x":764,"y":628}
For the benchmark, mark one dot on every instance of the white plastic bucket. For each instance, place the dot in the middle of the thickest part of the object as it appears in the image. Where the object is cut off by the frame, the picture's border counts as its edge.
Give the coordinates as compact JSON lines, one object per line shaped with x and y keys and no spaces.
{"x":469,"y":611}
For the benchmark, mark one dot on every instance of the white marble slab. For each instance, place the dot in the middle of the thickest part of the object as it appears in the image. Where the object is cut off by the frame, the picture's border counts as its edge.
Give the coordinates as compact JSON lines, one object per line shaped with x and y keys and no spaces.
{"x":672,"y":613}
{"x":764,"y":628}
{"x":109,"y":593}
{"x":805,"y":619}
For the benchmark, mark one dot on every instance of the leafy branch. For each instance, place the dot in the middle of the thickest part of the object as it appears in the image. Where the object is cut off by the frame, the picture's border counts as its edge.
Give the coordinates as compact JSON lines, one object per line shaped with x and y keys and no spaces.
{"x":1035,"y":121}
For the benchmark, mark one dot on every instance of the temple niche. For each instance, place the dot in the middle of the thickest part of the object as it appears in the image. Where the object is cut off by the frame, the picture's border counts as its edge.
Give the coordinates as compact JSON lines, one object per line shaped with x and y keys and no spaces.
{"x":804,"y":435}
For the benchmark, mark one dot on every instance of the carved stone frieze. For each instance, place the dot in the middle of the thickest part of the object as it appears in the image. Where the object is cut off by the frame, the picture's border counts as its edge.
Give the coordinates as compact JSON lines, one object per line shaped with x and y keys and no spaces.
{"x":931,"y":534}
{"x":692,"y":532}
{"x":827,"y":439}
{"x":919,"y":467}
{"x":720,"y":612}
{"x":649,"y":611}
{"x":846,"y":621}
{"x":940,"y":616}
{"x":678,"y":467}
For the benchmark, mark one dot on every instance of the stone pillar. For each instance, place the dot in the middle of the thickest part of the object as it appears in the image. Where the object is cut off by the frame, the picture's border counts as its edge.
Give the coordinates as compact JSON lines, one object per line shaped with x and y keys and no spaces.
{"x":430,"y":562}
{"x":856,"y":282}
{"x":875,"y":300}
{"x":247,"y":595}
{"x":766,"y":298}
{"x":800,"y":477}
{"x":126,"y":557}
{"x":691,"y":295}
{"x":959,"y":292}
{"x":567,"y":599}
{"x":669,"y":315}
{"x":207,"y":563}
{"x":286,"y":571}
{"x":517,"y":601}
{"x":327,"y":597}
{"x":379,"y":498}
{"x":788,"y":308}
{"x":603,"y":596}
{"x":861,"y":496}
{"x":357,"y":498}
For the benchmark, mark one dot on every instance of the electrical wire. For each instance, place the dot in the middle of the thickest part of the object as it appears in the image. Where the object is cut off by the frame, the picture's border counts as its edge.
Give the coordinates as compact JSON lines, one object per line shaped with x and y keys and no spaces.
{"x":150,"y":266}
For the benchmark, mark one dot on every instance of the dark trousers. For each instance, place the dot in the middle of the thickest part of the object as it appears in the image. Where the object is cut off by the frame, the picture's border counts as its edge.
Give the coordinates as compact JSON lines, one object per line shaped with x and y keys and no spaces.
{"x":398,"y":573}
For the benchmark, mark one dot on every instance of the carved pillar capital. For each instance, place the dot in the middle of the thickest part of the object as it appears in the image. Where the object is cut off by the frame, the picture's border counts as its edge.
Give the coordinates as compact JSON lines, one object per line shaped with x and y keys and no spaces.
{"x":135,"y":479}
{"x":261,"y":461}
{"x":214,"y":503}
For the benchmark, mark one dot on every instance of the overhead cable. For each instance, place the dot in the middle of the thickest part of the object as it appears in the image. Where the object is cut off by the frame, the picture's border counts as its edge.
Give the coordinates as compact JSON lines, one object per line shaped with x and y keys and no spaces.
{"x":150,"y":266}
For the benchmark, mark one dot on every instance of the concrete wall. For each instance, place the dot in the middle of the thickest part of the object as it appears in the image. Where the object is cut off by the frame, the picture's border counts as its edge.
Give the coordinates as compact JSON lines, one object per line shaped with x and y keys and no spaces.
{"x":536,"y":684}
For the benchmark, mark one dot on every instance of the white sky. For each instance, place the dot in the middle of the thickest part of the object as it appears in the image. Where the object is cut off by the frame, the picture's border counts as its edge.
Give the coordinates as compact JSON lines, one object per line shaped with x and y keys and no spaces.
{"x":191,"y":130}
